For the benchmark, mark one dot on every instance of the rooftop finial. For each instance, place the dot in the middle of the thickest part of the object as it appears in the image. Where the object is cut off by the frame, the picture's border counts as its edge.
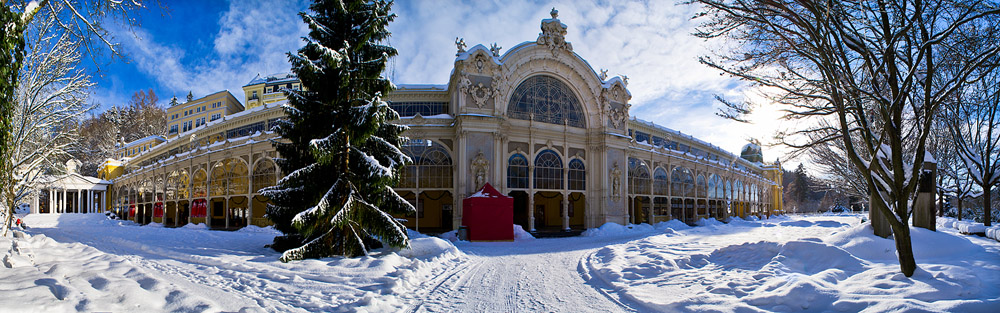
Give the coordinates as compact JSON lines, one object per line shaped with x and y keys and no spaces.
{"x":554,"y":13}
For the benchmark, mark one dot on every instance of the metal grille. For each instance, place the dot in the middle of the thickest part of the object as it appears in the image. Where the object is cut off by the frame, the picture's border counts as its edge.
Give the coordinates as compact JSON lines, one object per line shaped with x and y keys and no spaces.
{"x":517,"y":172}
{"x":546,"y":99}
{"x":548,"y":171}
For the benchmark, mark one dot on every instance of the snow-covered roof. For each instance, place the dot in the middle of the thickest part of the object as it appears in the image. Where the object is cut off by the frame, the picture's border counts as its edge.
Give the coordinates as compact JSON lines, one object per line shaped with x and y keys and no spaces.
{"x":143,"y":140}
{"x":273,"y":78}
{"x":256,"y":80}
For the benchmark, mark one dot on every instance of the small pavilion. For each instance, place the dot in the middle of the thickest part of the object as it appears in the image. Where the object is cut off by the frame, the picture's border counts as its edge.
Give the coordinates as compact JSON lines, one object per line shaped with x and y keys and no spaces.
{"x":70,"y":192}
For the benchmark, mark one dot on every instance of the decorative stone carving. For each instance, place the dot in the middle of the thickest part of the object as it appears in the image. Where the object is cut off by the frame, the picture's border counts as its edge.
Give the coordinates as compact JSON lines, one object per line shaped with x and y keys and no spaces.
{"x":480,"y":93}
{"x":495,"y":49}
{"x":618,"y":117}
{"x":480,"y":63}
{"x":480,"y":169}
{"x":460,"y":44}
{"x":554,"y":34}
{"x":604,"y":74}
{"x":616,"y":182}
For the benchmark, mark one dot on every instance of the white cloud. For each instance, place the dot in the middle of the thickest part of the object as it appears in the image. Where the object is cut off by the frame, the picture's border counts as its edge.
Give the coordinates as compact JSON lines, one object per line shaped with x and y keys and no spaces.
{"x":253,"y":38}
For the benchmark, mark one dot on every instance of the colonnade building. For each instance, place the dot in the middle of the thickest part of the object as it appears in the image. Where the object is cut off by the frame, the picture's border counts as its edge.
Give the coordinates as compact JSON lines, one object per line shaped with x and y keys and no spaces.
{"x":536,"y":122}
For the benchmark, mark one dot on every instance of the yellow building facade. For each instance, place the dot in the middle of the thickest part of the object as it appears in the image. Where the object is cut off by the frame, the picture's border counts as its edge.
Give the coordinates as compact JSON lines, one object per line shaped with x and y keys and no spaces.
{"x":267,"y":89}
{"x":184,"y":117}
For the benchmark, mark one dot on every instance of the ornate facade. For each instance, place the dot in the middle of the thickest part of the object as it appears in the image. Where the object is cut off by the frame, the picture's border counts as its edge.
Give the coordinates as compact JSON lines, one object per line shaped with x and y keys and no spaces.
{"x":537,"y":122}
{"x":542,"y":126}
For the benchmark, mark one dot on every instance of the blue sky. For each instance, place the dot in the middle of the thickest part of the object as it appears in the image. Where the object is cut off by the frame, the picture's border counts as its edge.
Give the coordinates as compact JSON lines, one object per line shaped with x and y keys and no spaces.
{"x":207,"y":46}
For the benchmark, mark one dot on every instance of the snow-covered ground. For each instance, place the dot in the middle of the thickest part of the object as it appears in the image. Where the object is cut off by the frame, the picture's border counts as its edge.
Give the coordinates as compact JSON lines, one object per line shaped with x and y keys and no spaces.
{"x":85,"y":262}
{"x":814,"y":263}
{"x":818,"y":263}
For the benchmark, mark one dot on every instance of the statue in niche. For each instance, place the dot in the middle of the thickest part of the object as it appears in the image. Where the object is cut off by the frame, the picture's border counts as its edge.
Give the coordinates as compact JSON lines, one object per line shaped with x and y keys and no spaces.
{"x":480,"y":169}
{"x":616,"y":182}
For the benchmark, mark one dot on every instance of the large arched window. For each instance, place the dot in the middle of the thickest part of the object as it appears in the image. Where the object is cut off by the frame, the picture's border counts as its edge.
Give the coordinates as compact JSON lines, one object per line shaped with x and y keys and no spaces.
{"x":265,"y":174}
{"x":638,"y":175}
{"x":545,"y":99}
{"x":577,"y":175}
{"x":435,"y":168}
{"x":431,"y":167}
{"x":661,"y":182}
{"x":683,"y":182}
{"x":548,"y":170}
{"x":517,"y":172}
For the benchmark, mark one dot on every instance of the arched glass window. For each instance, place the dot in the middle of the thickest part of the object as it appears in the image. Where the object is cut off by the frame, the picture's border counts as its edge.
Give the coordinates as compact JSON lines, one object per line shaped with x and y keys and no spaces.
{"x":435,"y":168}
{"x":431,"y":167}
{"x":638,"y":175}
{"x":729,"y":190}
{"x":661,"y":182}
{"x":546,"y":99}
{"x":577,"y":175}
{"x":710,"y":193}
{"x":720,"y":190}
{"x":265,"y":174}
{"x":677,"y":182}
{"x":548,"y":170}
{"x":517,"y":172}
{"x":702,"y":186}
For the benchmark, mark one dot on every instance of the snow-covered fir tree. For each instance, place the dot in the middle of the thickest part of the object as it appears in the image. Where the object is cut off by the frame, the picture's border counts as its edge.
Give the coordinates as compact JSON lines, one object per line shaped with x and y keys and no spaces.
{"x":341,"y":152}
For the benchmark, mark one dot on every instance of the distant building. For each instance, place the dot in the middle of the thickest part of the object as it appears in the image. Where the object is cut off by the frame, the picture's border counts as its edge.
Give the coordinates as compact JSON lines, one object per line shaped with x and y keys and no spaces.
{"x":136,"y":147}
{"x":186,"y":116}
{"x":267,"y":90}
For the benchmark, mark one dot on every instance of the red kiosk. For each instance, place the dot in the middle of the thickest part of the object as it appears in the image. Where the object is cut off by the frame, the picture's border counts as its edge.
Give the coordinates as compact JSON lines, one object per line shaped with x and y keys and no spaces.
{"x":489,"y":215}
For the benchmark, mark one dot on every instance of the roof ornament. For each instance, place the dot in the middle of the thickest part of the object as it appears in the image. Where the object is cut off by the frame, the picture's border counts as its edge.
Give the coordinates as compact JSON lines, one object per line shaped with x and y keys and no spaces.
{"x":495,"y":49}
{"x":554,"y":33}
{"x":604,"y":74}
{"x":460,"y":43}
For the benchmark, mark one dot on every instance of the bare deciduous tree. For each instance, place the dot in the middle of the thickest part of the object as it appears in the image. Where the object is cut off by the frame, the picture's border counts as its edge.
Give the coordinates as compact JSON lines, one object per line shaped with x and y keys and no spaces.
{"x":870,"y":68}
{"x":973,"y":125}
{"x":39,"y":84}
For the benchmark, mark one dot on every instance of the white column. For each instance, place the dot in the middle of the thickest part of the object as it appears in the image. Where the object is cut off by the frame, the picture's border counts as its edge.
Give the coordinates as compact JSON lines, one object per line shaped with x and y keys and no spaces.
{"x":34,"y":202}
{"x":565,"y":211}
{"x":52,"y":200}
{"x":62,"y":205}
{"x":79,"y":203}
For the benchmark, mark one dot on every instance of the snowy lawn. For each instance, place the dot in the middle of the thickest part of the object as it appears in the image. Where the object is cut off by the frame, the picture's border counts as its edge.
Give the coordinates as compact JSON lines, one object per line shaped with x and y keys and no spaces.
{"x":818,"y":263}
{"x":813,"y":263}
{"x":85,"y":262}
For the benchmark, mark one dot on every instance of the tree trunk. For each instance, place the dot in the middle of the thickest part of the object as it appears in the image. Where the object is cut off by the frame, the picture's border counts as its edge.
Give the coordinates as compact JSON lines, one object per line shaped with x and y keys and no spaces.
{"x":940,"y":208}
{"x":987,"y":215}
{"x":959,"y":200}
{"x":904,"y":249}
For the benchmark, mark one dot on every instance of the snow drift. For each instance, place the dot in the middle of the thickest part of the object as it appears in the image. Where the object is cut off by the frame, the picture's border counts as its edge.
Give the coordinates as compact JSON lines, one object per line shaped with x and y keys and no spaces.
{"x":814,"y":263}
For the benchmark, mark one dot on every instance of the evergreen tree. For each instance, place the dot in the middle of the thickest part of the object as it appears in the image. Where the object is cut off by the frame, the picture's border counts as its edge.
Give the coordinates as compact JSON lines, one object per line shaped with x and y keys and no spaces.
{"x":340,"y":150}
{"x":802,"y":186}
{"x":190,"y":96}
